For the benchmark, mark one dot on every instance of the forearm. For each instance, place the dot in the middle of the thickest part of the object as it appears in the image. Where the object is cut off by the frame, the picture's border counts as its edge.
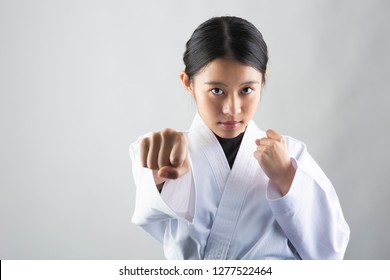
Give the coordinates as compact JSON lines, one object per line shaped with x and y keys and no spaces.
{"x":312,"y":219}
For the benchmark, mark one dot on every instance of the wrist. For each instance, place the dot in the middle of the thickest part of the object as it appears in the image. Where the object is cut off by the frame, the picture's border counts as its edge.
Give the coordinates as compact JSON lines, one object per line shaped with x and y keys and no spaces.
{"x":283,"y":184}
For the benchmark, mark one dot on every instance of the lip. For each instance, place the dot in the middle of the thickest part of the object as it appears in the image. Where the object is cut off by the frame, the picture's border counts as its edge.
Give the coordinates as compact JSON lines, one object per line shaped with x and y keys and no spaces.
{"x":230,"y":125}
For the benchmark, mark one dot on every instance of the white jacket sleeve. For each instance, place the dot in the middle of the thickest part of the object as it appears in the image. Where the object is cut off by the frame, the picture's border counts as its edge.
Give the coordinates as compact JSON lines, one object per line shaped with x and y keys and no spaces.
{"x":310,"y":213}
{"x":153,"y":209}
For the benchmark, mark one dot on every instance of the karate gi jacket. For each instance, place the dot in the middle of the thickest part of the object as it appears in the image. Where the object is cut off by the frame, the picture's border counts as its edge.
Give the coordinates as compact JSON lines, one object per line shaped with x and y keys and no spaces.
{"x":214,"y":212}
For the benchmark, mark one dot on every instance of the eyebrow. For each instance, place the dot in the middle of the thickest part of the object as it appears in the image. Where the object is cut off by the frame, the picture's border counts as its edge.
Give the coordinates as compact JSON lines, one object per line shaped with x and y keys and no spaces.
{"x":216,"y":83}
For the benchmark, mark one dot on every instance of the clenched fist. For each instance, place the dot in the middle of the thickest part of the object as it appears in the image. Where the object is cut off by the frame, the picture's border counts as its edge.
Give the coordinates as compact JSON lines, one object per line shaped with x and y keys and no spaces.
{"x":166,"y":153}
{"x":273,"y":157}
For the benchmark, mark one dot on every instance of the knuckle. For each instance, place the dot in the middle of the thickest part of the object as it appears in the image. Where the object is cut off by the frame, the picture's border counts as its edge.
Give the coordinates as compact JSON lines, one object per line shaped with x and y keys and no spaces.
{"x":144,"y":143}
{"x":175,"y":160}
{"x":155,"y":137}
{"x":152,"y":164}
{"x":180,"y":137}
{"x":166,"y":132}
{"x":258,"y":155}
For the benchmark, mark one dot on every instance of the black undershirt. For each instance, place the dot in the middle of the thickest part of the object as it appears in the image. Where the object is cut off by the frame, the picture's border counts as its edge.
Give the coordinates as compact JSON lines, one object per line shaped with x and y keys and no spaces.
{"x":230,"y":147}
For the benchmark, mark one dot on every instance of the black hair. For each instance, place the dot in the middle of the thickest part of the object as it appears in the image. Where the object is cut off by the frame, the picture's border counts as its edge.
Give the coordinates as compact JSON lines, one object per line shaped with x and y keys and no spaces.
{"x":225,"y":37}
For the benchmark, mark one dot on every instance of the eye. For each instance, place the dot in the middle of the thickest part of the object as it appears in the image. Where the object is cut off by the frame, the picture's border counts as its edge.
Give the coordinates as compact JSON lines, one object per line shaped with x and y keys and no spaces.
{"x":247,"y":90}
{"x":217,"y":91}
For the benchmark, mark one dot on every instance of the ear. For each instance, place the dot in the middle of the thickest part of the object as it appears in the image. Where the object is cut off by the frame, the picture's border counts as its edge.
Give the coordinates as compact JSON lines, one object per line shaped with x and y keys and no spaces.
{"x":264,"y":78}
{"x":186,"y":82}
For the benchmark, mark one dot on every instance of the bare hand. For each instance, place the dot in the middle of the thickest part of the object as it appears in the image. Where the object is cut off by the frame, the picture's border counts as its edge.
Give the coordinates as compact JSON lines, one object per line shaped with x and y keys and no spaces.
{"x":166,"y":153}
{"x":273,"y":157}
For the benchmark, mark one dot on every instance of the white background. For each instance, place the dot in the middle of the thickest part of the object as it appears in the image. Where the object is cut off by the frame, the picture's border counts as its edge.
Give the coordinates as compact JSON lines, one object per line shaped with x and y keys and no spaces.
{"x":81,"y":80}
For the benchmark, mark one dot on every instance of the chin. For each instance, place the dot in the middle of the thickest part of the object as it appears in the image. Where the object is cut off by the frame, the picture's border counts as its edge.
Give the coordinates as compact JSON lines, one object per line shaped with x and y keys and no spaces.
{"x":228,"y":134}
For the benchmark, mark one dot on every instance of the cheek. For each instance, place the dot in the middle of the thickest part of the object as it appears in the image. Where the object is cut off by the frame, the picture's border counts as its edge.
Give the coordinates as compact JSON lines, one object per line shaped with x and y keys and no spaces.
{"x":251,"y":104}
{"x":208,"y":106}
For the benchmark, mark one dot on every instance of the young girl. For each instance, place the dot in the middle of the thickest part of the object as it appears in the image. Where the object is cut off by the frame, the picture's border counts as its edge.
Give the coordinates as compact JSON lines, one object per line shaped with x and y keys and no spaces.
{"x":226,"y":189}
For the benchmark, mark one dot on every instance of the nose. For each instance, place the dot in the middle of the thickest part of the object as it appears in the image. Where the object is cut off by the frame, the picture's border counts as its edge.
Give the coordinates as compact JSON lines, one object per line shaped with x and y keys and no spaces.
{"x":232,"y":105}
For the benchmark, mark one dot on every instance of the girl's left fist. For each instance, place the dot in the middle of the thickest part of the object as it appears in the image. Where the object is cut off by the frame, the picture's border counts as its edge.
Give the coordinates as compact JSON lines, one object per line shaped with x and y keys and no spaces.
{"x":274,"y":159}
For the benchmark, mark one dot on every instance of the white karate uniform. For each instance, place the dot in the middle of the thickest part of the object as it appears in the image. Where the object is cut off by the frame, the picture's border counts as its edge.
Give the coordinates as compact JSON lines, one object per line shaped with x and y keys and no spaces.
{"x":214,"y":212}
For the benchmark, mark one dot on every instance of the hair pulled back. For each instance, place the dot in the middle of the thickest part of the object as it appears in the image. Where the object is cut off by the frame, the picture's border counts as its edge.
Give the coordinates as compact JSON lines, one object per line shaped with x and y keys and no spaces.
{"x":225,"y":37}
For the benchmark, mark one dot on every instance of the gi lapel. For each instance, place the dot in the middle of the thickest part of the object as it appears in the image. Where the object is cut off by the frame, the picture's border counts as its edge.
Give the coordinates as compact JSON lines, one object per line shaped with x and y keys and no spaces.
{"x":203,"y":143}
{"x":240,"y":178}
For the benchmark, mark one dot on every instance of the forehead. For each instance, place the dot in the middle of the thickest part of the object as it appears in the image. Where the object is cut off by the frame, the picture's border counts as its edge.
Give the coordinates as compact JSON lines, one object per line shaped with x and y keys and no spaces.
{"x":228,"y":71}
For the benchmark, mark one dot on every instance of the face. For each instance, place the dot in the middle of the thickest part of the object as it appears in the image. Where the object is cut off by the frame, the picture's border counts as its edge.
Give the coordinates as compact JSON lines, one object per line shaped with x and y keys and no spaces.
{"x":226,"y":93}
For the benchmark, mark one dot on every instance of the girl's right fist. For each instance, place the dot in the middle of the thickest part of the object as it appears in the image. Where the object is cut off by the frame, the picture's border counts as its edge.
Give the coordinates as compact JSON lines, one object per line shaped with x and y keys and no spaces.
{"x":166,"y":153}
